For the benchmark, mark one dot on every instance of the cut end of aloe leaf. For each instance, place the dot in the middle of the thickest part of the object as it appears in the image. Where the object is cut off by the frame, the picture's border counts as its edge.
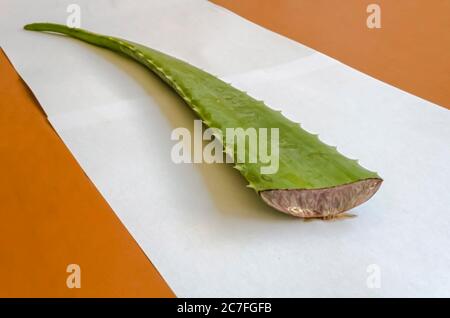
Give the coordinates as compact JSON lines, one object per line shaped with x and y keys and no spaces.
{"x":321,"y":203}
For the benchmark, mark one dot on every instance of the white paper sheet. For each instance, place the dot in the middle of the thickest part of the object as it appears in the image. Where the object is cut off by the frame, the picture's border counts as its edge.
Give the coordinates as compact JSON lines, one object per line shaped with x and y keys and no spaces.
{"x":207,"y":233}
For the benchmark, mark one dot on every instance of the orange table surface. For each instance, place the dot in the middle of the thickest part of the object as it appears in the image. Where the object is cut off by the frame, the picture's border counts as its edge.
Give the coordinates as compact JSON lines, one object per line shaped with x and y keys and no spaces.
{"x":52,"y":215}
{"x":411,"y":50}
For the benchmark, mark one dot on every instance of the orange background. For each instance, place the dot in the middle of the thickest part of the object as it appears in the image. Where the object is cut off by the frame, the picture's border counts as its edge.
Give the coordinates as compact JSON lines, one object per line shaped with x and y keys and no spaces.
{"x":411,"y":50}
{"x":51,"y":215}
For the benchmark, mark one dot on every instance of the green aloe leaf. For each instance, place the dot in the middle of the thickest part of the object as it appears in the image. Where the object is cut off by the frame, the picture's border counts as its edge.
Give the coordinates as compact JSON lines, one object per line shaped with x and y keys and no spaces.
{"x":313,"y":179}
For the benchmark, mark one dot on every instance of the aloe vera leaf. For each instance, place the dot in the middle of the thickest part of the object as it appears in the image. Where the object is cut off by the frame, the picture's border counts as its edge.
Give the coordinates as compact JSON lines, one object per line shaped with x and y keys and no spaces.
{"x":313,"y":179}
